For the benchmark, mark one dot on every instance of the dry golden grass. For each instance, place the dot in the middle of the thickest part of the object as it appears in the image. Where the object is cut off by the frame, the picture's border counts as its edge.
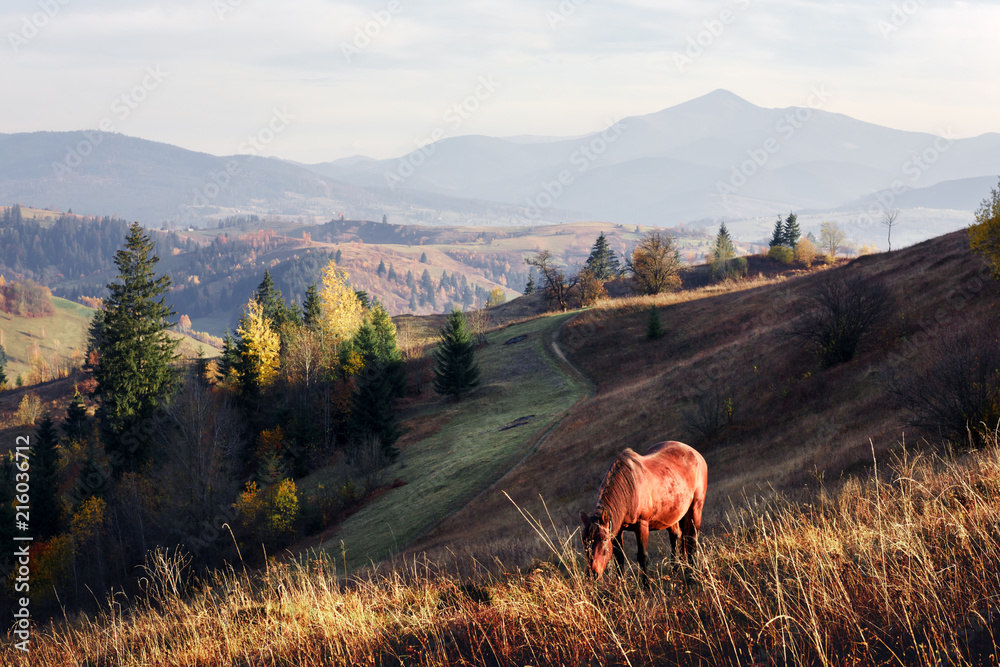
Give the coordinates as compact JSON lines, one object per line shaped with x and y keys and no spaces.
{"x":902,"y":569}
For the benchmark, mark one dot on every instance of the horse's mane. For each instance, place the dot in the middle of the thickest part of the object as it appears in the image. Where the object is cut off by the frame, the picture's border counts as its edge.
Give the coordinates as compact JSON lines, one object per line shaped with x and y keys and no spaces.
{"x":617,"y":491}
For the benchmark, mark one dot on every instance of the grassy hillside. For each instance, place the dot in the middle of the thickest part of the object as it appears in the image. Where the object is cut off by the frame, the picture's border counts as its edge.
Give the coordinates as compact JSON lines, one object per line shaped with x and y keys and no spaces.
{"x":455,"y":450}
{"x":61,"y":339}
{"x":828,"y":538}
{"x":897,"y":572}
{"x":794,"y":423}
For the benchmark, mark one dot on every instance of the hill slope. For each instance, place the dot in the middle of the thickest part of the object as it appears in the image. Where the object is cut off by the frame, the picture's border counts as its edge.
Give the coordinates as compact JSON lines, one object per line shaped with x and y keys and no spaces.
{"x":793,"y":422}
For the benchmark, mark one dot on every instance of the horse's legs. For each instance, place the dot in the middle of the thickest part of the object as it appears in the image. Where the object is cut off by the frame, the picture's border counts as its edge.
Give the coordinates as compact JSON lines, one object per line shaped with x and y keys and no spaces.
{"x":618,"y":548}
{"x":642,"y":539}
{"x":675,"y":532}
{"x":690,"y":525}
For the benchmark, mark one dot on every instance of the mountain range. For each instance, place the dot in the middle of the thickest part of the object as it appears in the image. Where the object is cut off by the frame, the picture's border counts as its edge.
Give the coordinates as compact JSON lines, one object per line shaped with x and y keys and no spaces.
{"x":717,"y":156}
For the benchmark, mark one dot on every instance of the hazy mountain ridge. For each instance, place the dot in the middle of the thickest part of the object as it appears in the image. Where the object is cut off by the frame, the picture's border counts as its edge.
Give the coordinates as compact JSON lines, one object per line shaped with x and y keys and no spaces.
{"x":716,"y":156}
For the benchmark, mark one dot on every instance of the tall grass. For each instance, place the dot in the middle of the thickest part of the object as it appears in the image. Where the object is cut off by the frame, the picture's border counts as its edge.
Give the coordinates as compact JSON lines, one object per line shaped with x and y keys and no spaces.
{"x":901,"y":569}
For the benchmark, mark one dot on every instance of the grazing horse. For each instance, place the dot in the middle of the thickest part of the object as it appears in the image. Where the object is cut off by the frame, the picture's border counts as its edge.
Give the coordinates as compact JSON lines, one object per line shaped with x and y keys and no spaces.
{"x":663,"y":489}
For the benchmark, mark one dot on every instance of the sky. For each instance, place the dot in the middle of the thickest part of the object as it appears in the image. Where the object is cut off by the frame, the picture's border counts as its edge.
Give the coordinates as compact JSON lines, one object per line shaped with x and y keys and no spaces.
{"x":318,"y":80}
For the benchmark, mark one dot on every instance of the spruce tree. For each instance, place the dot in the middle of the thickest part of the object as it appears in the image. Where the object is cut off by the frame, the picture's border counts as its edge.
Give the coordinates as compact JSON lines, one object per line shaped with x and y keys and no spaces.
{"x":778,"y":237}
{"x":423,"y":258}
{"x":654,"y":327}
{"x":602,"y":262}
{"x":382,"y":380}
{"x":381,"y":270}
{"x":229,"y":360}
{"x":791,"y":230}
{"x":529,"y":287}
{"x":75,"y":425}
{"x":338,"y":256}
{"x":271,"y":302}
{"x":312,"y":309}
{"x":455,"y":368}
{"x":46,"y":511}
{"x":135,"y":369}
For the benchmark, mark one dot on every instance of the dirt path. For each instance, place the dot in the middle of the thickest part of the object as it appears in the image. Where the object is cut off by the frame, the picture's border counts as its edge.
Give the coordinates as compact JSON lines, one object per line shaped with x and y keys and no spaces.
{"x":448,"y":529}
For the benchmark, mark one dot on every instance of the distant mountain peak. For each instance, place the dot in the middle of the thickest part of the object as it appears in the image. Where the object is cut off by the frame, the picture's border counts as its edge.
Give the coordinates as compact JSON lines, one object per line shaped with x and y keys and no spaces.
{"x":718,"y":98}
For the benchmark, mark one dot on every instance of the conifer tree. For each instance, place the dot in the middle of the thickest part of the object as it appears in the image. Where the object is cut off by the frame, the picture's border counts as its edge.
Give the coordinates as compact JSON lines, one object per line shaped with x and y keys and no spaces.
{"x":529,"y":287}
{"x":423,"y":258}
{"x":135,"y":370}
{"x":381,"y":270}
{"x":382,"y":380}
{"x":654,"y":327}
{"x":229,"y":360}
{"x":413,"y":302}
{"x":791,"y":230}
{"x":778,"y":236}
{"x":271,"y":302}
{"x":455,"y":368}
{"x":338,"y":256}
{"x":723,"y":250}
{"x":312,"y":309}
{"x":75,"y":425}
{"x":602,"y":263}
{"x":46,"y":510}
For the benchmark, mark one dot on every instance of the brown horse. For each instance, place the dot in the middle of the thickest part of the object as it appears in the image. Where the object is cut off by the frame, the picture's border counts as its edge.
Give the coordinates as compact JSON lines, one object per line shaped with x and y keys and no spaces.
{"x":663,"y":489}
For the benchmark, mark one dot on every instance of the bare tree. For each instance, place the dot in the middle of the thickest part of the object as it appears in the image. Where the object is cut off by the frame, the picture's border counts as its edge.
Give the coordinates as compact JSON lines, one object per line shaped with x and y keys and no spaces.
{"x":957,"y":395}
{"x":840,"y":312}
{"x":555,"y":285}
{"x":201,"y":439}
{"x":889,"y":220}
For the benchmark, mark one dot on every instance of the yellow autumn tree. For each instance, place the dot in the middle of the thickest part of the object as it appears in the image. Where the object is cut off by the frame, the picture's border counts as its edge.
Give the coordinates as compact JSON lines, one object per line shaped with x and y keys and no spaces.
{"x":342,"y":312}
{"x":984,"y":235}
{"x":258,"y":348}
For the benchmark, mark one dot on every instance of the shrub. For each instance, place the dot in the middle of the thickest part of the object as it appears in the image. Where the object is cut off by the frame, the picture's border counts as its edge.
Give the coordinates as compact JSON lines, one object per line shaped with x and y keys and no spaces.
{"x":805,"y":252}
{"x":29,"y":409}
{"x":781,"y":253}
{"x":733,"y":269}
{"x":591,"y":289}
{"x":711,"y":413}
{"x":958,"y":396}
{"x":368,"y":460}
{"x":840,"y":312}
{"x":654,"y":327}
{"x":269,"y":514}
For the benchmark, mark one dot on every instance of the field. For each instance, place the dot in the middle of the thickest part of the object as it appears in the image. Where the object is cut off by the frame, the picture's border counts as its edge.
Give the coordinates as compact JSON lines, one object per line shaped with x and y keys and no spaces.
{"x":455,"y":450}
{"x":835,"y":533}
{"x":894,"y":571}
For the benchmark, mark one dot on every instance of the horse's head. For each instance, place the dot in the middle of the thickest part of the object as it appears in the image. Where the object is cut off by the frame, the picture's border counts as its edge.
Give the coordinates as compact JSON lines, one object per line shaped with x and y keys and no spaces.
{"x":596,"y":541}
